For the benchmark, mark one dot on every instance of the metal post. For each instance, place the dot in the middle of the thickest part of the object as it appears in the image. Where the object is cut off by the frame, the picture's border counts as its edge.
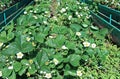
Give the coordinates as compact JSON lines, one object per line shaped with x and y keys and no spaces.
{"x":110,"y":18}
{"x":5,"y":18}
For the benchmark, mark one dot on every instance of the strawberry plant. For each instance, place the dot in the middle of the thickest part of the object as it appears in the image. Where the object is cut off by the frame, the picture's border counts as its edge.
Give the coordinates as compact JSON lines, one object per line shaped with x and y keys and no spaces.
{"x":115,"y":4}
{"x":7,"y":3}
{"x":53,"y":41}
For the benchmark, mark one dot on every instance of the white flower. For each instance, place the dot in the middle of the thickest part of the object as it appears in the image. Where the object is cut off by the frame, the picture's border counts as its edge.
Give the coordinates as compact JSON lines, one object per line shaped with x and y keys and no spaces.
{"x":35,"y":17}
{"x":81,"y":14}
{"x":1,"y":5}
{"x":30,"y":33}
{"x":64,"y":47}
{"x":59,"y":3}
{"x":51,"y":37}
{"x":45,"y":22}
{"x":44,"y":72}
{"x":86,"y":8}
{"x":25,"y":12}
{"x":78,"y":16}
{"x":76,"y":13}
{"x":7,"y":46}
{"x":41,"y":72}
{"x":27,"y":64}
{"x":10,"y":67}
{"x":113,"y":1}
{"x":54,"y":17}
{"x":77,"y":2}
{"x":46,"y":12}
{"x":62,"y":10}
{"x":28,"y":74}
{"x":48,"y":75}
{"x":93,"y":45}
{"x":1,"y":44}
{"x":79,"y":73}
{"x":31,"y":11}
{"x":33,"y":44}
{"x":35,"y":11}
{"x":78,"y":33}
{"x":11,"y":62}
{"x":0,"y":73}
{"x":55,"y":61}
{"x":86,"y":44}
{"x":66,"y":7}
{"x":20,"y":55}
{"x":28,"y":38}
{"x":80,"y":7}
{"x":70,"y":17}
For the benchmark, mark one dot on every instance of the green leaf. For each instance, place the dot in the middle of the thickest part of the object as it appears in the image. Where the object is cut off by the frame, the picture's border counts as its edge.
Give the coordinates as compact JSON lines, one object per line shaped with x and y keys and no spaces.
{"x":46,"y":30}
{"x":6,"y":37}
{"x":59,"y":57}
{"x":42,"y":57}
{"x":51,"y":43}
{"x":61,"y":66}
{"x":17,"y":66}
{"x":50,"y":51}
{"x":6,"y":72}
{"x":24,"y":62}
{"x":58,"y":77}
{"x":74,"y":60}
{"x":40,"y":37}
{"x":94,"y":27}
{"x":45,"y":68}
{"x":84,"y":25}
{"x":23,"y":70}
{"x":59,"y":41}
{"x":63,"y":30}
{"x":112,"y":77}
{"x":104,"y":31}
{"x":85,"y":57}
{"x":11,"y":50}
{"x":67,"y":67}
{"x":55,"y":29}
{"x":90,"y":52}
{"x":10,"y":36}
{"x":75,"y":27}
{"x":32,"y":69}
{"x":13,"y":76}
{"x":86,"y":21}
{"x":70,"y":45}
{"x":70,"y":72}
{"x":3,"y":36}
{"x":20,"y":45}
{"x":27,"y":47}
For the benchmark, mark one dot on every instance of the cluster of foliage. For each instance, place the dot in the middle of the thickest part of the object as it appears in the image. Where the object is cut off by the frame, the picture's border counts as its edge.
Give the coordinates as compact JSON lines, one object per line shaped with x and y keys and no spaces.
{"x":56,"y":40}
{"x":111,"y":3}
{"x":6,"y":3}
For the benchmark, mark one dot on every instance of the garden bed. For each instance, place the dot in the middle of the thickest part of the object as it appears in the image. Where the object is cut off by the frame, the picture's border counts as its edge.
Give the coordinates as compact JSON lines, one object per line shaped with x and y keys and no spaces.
{"x":55,"y":40}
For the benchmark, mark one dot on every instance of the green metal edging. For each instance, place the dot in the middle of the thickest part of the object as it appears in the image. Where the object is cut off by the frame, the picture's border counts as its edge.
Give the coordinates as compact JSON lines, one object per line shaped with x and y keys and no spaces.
{"x":20,"y":12}
{"x":109,"y":11}
{"x":115,"y":32}
{"x":17,"y":14}
{"x":9,"y":13}
{"x":108,"y":19}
